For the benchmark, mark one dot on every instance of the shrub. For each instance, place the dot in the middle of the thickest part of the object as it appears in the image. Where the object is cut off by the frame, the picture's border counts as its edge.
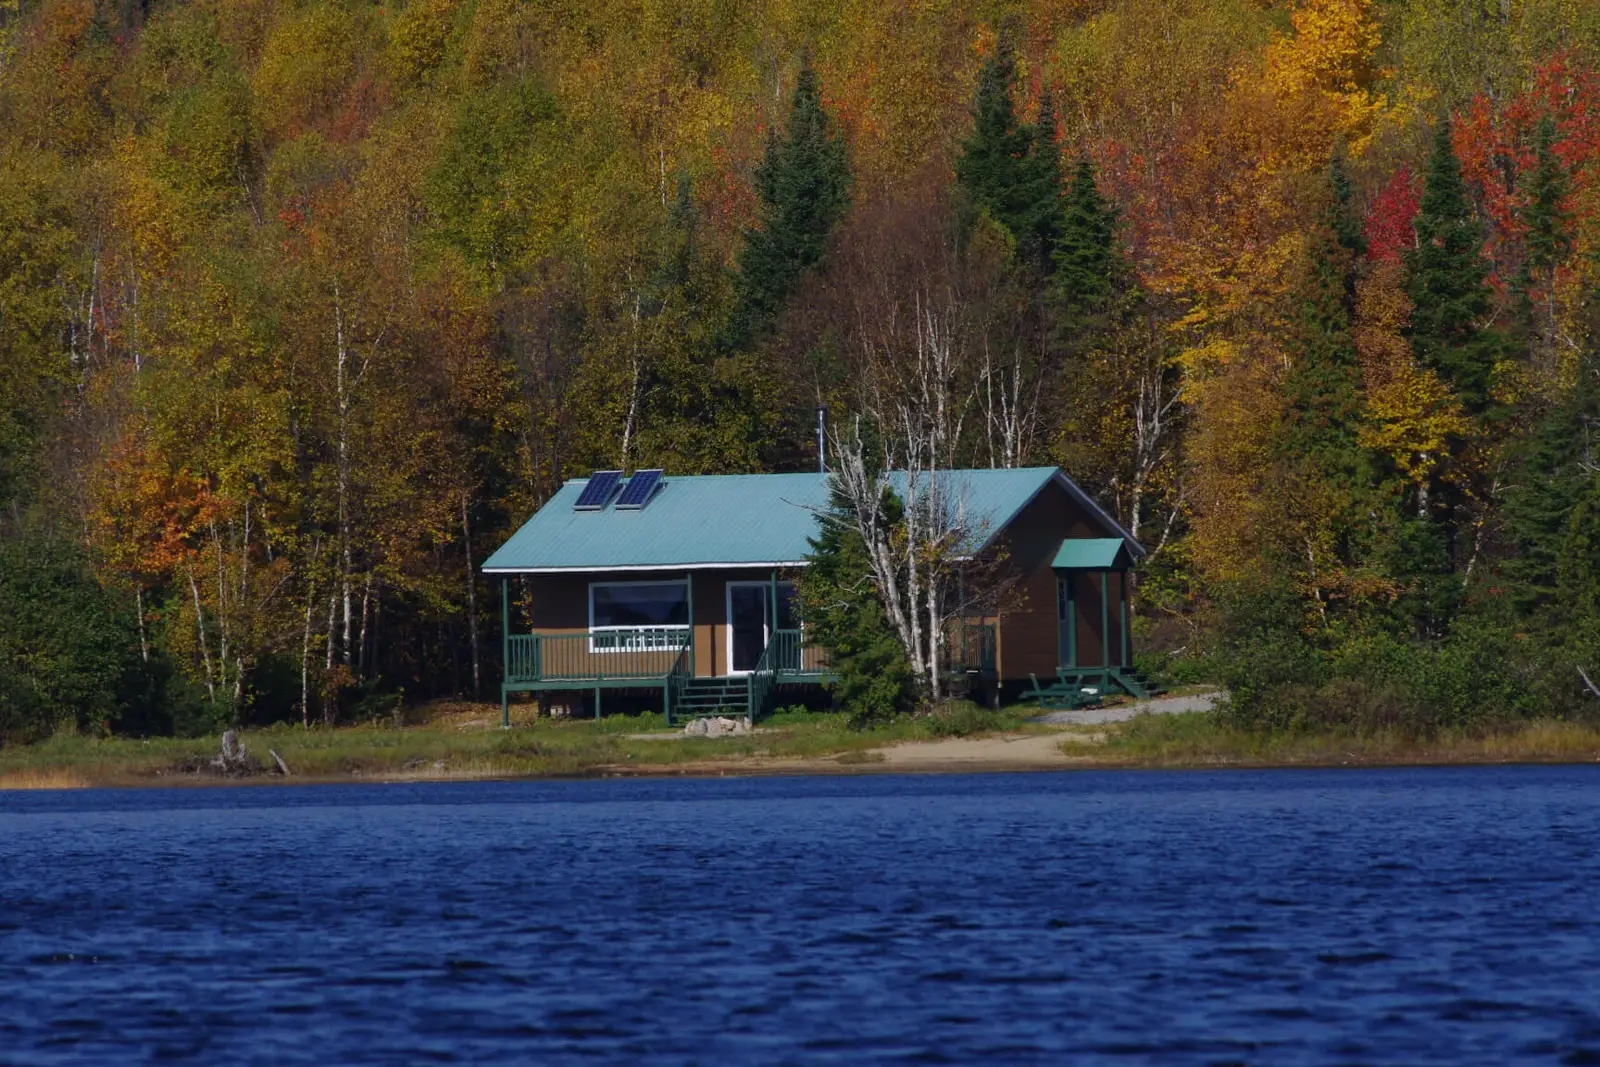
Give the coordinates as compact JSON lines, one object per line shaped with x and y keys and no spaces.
{"x":67,"y":647}
{"x":963,"y":718}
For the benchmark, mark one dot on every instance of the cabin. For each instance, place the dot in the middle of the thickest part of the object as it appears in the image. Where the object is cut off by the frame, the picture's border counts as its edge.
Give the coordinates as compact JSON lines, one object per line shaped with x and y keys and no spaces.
{"x":682,"y":588}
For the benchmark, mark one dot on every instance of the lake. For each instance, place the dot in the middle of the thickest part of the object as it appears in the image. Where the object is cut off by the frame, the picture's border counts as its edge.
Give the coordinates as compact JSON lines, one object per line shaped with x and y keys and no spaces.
{"x":1397,"y":916}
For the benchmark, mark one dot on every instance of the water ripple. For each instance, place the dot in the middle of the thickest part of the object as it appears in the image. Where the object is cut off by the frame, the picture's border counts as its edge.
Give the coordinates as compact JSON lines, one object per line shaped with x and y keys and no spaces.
{"x":1410,"y":916}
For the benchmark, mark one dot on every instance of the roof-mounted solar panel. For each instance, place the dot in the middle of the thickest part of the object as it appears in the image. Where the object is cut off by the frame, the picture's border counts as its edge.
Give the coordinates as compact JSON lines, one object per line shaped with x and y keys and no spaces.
{"x":598,"y":491}
{"x":641,"y":487}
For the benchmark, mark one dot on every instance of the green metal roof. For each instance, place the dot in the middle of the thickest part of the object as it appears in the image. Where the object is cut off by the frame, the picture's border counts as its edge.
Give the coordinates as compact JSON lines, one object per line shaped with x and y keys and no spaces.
{"x":1092,"y":553}
{"x":735,"y":520}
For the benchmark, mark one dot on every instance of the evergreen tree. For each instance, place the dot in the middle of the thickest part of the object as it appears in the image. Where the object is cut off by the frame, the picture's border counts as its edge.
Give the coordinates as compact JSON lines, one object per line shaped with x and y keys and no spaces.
{"x":1327,"y":477}
{"x":1089,"y":267}
{"x":1447,"y":282}
{"x":844,"y":614}
{"x":1573,"y":623}
{"x":1549,"y":238}
{"x":1548,"y":241}
{"x":804,"y":187}
{"x":1554,"y":472}
{"x":1346,"y":224}
{"x":1324,"y":386}
{"x":1012,"y":170}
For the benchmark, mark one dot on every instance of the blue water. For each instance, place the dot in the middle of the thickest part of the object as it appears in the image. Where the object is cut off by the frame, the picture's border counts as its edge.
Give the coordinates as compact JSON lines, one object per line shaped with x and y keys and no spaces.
{"x":1408,"y":916}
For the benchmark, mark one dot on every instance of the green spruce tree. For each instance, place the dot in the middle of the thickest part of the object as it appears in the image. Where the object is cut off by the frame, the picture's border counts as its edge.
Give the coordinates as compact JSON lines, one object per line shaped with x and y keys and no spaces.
{"x":1447,"y":280}
{"x":1327,"y":477}
{"x":1345,"y":222}
{"x":1324,"y":385}
{"x":1010,"y":169}
{"x":804,"y":188}
{"x":1090,"y":270}
{"x":845,"y":615}
{"x":1553,"y":472}
{"x":1546,"y":246}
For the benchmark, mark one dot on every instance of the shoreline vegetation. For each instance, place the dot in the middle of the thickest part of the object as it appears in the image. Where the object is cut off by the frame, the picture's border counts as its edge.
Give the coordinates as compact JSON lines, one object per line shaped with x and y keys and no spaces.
{"x":462,"y":742}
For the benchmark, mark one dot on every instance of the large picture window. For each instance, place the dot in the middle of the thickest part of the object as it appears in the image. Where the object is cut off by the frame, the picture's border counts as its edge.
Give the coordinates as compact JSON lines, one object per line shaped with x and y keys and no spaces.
{"x":638,"y":615}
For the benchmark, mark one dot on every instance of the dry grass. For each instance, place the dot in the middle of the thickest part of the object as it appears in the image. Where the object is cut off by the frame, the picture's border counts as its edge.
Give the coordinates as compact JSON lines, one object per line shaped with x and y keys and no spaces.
{"x":1196,"y":740}
{"x":463,"y":741}
{"x":45,"y":779}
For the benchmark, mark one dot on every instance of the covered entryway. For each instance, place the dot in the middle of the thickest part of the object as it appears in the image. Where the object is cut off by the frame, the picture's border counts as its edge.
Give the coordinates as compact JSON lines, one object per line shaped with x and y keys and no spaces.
{"x":1092,"y":603}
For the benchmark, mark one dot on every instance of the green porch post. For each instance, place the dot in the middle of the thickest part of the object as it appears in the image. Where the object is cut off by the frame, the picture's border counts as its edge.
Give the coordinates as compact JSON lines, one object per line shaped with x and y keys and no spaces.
{"x":1072,"y":619}
{"x":689,"y":582}
{"x":1105,"y":617}
{"x":505,"y":652}
{"x":772,"y":610}
{"x":1122,"y":583}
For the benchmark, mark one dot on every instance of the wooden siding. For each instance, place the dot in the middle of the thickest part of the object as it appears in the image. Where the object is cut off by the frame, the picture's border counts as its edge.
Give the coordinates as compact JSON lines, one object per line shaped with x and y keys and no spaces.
{"x":1029,"y":624}
{"x":560,"y":604}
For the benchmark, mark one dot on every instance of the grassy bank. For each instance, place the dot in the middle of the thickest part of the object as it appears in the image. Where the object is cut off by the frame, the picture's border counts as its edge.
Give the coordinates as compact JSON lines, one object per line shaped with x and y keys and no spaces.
{"x":464,"y":741}
{"x":1200,"y":740}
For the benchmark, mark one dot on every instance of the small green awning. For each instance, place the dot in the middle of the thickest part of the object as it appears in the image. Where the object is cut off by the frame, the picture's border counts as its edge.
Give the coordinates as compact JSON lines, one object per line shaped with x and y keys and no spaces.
{"x":1092,"y":554}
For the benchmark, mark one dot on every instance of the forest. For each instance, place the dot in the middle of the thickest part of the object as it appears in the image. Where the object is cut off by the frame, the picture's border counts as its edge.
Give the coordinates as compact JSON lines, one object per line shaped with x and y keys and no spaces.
{"x":305,"y":305}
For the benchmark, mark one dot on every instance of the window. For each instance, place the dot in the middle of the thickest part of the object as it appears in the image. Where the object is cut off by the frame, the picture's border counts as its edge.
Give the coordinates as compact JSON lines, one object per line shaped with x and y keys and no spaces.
{"x":638,"y":615}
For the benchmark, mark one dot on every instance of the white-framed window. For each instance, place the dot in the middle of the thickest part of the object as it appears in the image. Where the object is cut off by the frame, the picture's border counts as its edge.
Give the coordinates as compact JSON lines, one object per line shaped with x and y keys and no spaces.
{"x":638,"y":616}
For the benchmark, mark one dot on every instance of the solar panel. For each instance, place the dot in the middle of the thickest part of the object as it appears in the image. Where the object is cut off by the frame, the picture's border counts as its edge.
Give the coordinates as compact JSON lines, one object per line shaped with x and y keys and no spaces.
{"x":640,"y":488}
{"x":598,"y":491}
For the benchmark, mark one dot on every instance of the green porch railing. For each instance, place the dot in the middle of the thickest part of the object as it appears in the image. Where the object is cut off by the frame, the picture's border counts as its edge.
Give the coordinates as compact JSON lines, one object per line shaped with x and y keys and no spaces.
{"x":969,"y":647}
{"x":651,"y":653}
{"x":758,"y":683}
{"x":791,"y":654}
{"x":677,"y":678}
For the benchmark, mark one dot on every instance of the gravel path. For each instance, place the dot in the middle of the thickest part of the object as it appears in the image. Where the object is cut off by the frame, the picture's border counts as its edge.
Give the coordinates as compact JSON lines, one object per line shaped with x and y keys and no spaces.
{"x":1159,"y":706}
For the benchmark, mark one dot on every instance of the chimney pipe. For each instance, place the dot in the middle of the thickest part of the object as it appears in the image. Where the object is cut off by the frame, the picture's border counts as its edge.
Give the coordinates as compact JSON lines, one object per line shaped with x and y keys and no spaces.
{"x":822,"y":439}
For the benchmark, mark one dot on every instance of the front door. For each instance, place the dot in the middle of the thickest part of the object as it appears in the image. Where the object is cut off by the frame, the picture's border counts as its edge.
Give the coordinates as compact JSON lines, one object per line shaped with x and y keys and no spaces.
{"x":748,"y":619}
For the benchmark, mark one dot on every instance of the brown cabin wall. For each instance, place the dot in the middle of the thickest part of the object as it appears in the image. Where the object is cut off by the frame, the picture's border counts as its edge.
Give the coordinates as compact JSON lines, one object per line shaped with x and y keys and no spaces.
{"x":1029,"y":626}
{"x":559,"y":603}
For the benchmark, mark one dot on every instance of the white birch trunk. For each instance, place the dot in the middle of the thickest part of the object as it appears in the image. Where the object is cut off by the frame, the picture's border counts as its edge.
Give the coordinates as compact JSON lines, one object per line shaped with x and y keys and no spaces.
{"x":472,"y":598}
{"x":200,"y":631}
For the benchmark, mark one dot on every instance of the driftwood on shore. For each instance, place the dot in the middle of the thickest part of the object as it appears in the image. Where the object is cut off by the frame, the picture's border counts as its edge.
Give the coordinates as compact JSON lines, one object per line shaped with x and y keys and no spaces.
{"x":234,"y":760}
{"x":283,"y":768}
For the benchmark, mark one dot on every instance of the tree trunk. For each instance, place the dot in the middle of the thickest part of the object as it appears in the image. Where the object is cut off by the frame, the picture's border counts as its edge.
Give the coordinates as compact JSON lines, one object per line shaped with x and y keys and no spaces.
{"x":333,"y":620}
{"x":342,"y":393}
{"x":144,"y":641}
{"x":200,"y":630}
{"x":305,"y":662}
{"x":472,"y":599}
{"x":361,"y":642}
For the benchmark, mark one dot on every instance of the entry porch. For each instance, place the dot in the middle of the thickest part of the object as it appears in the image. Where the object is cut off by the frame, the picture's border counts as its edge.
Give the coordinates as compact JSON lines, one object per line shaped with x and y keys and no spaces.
{"x":709,"y":644}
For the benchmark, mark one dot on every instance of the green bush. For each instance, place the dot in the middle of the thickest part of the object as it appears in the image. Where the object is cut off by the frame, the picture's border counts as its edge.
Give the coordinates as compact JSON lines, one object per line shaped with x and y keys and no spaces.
{"x":68,"y":649}
{"x":963,"y":718}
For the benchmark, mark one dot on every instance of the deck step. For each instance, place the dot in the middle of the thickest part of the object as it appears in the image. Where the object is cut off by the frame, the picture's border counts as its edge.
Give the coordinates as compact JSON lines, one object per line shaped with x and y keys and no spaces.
{"x":720,"y":695}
